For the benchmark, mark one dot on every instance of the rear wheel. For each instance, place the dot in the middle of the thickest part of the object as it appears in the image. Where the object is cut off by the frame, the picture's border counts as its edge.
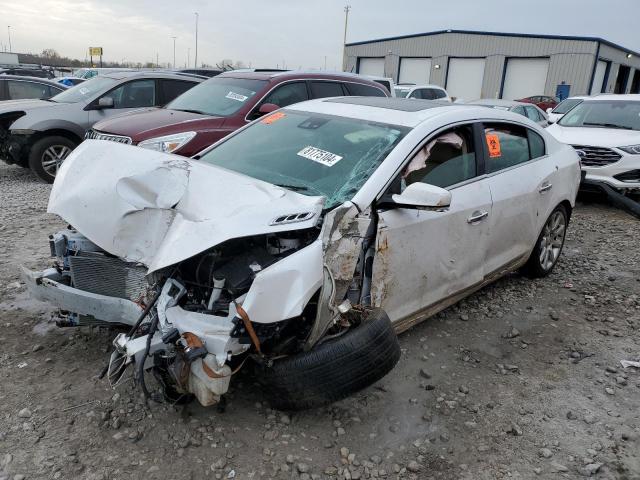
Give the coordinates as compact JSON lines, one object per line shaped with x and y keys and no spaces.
{"x":334,"y":369}
{"x":47,"y":155}
{"x":549,"y":245}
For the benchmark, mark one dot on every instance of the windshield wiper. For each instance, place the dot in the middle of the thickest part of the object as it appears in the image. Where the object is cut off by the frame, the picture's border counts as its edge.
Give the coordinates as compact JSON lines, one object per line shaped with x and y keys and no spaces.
{"x":607,"y":125}
{"x":190,"y":111}
{"x":295,"y":188}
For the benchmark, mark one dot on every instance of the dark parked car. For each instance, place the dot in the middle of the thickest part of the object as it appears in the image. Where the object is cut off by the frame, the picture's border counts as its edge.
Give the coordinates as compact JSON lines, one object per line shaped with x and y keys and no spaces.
{"x":14,"y":87}
{"x":27,"y":71}
{"x":221,"y":105}
{"x":541,"y":101}
{"x":41,"y":133}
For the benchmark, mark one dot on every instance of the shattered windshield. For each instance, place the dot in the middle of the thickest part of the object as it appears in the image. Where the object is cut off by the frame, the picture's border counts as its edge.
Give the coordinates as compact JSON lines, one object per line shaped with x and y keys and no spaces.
{"x":309,"y":153}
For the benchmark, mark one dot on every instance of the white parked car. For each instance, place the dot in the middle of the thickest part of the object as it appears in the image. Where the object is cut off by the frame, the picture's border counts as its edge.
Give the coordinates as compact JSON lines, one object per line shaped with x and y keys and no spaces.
{"x":606,"y":132}
{"x":528,"y":110}
{"x":424,"y":92}
{"x":303,"y":242}
{"x":556,"y":113}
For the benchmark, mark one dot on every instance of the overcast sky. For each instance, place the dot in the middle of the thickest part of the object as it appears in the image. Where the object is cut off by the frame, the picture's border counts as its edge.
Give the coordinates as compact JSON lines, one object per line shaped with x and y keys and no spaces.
{"x":299,"y":33}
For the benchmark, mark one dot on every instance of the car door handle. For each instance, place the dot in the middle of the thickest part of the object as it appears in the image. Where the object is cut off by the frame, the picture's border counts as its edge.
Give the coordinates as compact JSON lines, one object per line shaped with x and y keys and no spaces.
{"x":477,"y":216}
{"x":545,"y":188}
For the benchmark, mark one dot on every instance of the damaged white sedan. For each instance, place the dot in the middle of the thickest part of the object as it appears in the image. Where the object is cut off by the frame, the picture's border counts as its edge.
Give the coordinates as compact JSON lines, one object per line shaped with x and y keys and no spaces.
{"x":303,"y":243}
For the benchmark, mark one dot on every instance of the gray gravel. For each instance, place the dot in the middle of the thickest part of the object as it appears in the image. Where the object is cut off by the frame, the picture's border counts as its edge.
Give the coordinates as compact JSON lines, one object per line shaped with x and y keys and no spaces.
{"x":521,"y":380}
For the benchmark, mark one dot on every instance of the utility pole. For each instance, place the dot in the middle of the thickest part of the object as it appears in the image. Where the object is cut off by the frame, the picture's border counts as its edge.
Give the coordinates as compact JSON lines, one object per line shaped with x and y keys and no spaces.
{"x":174,"y":51}
{"x":157,"y":59}
{"x":347,"y":8}
{"x":195,"y":62}
{"x":188,"y":58}
{"x":9,"y":32}
{"x":325,"y":63}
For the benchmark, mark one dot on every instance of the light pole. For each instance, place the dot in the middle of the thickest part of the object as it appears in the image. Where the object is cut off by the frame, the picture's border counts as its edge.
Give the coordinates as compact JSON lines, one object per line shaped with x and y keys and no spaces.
{"x":195,"y":62}
{"x":174,"y":51}
{"x":344,"y":43}
{"x":188,"y":57}
{"x":9,"y":32}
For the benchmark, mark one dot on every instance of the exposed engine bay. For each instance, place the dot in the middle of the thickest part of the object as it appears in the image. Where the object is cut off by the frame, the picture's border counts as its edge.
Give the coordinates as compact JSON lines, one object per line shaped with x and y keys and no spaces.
{"x":193,"y":331}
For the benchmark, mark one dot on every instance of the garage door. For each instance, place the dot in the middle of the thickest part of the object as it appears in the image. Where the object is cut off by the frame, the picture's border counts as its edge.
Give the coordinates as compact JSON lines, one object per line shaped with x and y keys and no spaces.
{"x":371,"y":66}
{"x":415,"y":70}
{"x":598,"y":77}
{"x":525,"y":77}
{"x":464,"y":78}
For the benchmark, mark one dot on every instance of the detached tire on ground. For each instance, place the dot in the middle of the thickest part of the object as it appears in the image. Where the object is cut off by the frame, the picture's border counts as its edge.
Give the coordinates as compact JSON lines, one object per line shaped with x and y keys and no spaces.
{"x":47,"y":154}
{"x":549,"y":246}
{"x":334,"y":369}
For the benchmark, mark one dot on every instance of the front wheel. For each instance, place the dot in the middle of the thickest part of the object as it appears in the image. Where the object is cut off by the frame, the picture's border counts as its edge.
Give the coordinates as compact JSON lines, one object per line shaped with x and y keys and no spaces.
{"x":47,"y":155}
{"x":549,"y":245}
{"x":334,"y":369}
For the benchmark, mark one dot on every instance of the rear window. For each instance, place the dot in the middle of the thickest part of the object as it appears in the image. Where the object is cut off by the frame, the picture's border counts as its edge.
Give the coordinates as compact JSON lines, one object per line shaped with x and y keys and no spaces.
{"x":220,"y":96}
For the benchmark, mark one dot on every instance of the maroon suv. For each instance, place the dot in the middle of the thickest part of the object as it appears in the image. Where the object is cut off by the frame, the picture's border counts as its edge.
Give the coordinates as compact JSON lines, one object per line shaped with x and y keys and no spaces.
{"x":221,"y":105}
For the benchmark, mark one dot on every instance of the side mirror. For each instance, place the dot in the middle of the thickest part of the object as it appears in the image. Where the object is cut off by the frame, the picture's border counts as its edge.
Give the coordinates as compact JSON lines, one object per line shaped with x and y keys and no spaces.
{"x":105,"y":102}
{"x":549,"y":110}
{"x":422,"y":196}
{"x":267,"y":108}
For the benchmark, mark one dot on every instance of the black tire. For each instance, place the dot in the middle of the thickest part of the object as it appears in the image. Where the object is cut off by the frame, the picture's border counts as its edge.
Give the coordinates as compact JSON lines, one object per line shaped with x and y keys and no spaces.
{"x":334,"y":369}
{"x":534,"y":268}
{"x":39,"y":152}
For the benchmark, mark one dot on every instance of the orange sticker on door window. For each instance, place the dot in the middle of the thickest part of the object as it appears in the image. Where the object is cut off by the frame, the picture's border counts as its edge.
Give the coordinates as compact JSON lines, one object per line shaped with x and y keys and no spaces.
{"x":493,"y":142}
{"x":273,"y":118}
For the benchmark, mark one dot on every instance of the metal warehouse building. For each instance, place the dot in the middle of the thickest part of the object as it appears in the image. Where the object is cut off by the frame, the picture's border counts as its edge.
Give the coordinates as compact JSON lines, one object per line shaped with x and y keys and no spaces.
{"x":472,"y":65}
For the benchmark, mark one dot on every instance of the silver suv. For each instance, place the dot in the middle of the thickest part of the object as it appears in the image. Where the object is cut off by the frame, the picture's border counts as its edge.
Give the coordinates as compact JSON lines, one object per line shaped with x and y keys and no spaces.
{"x":41,"y":133}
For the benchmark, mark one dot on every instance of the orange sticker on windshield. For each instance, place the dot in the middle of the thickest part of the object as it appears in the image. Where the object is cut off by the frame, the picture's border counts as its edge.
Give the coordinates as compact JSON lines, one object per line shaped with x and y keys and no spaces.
{"x":273,"y":118}
{"x":493,"y":142}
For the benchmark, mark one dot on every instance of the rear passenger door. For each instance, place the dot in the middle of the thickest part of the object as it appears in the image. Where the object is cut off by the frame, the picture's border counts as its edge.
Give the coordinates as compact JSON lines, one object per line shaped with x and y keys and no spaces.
{"x":520,"y":176}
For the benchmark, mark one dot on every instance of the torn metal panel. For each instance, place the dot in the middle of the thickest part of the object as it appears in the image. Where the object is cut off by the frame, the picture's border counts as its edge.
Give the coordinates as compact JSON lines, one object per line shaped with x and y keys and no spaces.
{"x":343,"y":233}
{"x":159,"y":209}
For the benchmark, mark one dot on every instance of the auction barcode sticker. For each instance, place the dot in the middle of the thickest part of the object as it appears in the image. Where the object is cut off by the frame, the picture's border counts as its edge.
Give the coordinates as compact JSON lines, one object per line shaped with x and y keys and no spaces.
{"x":321,"y":156}
{"x":236,"y":96}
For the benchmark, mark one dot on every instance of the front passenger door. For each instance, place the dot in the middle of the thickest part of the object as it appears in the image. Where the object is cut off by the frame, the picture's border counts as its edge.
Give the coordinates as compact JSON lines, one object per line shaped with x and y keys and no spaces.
{"x":126,"y":97}
{"x":424,"y":257}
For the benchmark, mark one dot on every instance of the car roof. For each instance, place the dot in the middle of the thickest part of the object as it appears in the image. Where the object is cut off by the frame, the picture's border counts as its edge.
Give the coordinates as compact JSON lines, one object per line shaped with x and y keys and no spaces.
{"x":293,"y":74}
{"x":498,"y":102}
{"x":174,"y":75}
{"x":32,"y":79}
{"x":409,"y":86}
{"x":388,"y":110}
{"x":615,"y":97}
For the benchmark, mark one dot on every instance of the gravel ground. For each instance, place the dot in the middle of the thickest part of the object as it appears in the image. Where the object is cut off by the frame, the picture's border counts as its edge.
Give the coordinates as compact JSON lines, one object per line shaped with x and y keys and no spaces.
{"x":521,"y":380}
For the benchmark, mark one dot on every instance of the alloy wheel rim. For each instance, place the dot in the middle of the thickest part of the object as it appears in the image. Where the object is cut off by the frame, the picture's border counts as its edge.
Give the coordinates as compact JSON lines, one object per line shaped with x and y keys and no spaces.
{"x":552,"y":240}
{"x":53,"y":157}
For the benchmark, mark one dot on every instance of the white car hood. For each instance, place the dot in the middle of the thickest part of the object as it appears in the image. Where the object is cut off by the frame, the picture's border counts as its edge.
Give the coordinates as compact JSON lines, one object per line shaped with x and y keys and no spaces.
{"x":595,"y":136}
{"x":159,"y":209}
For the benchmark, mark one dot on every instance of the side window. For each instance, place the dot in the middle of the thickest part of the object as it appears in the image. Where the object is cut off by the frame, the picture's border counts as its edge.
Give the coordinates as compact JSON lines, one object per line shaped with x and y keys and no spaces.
{"x":416,"y":94}
{"x":135,"y":94}
{"x":288,"y":94}
{"x":360,"y":90}
{"x":326,"y":89}
{"x":519,"y":110}
{"x":19,"y":90}
{"x":447,"y":159}
{"x":437,"y":93}
{"x":532,"y":113}
{"x":174,"y":88}
{"x":536,"y":145}
{"x":507,"y":144}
